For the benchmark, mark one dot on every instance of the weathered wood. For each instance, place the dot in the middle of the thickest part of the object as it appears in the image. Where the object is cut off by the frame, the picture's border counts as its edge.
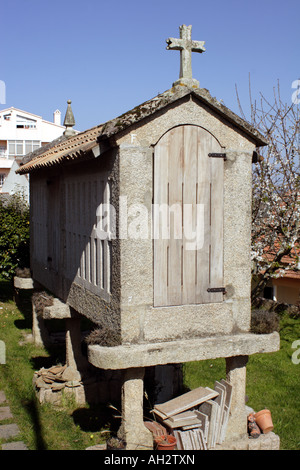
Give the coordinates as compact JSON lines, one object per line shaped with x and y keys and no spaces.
{"x":216,"y":252}
{"x":161,"y":198}
{"x":175,"y":201}
{"x":185,"y":401}
{"x":189,"y":185}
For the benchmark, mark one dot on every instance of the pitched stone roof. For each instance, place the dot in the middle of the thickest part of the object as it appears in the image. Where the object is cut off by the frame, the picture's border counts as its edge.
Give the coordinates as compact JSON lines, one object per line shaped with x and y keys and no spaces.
{"x":71,"y":148}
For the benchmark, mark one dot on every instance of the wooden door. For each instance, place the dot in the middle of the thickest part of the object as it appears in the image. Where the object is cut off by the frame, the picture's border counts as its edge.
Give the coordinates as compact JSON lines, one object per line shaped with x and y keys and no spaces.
{"x":187,"y":218}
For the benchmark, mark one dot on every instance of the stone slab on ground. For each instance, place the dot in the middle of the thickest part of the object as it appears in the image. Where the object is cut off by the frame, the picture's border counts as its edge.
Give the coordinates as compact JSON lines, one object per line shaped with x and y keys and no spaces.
{"x":8,"y":430}
{"x":5,"y":413}
{"x":2,"y":397}
{"x":18,"y":445}
{"x":97,"y":447}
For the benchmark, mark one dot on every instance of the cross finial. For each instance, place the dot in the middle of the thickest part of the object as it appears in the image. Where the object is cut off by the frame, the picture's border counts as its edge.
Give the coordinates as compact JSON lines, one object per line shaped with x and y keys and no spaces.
{"x":186,"y":46}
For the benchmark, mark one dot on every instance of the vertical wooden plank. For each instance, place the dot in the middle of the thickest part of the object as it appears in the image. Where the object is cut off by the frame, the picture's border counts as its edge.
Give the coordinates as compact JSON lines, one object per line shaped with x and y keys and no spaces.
{"x":189,"y":214}
{"x":105,"y":245}
{"x":203,"y":200}
{"x":96,"y":261}
{"x":176,"y":145}
{"x":217,"y":216}
{"x":161,"y":159}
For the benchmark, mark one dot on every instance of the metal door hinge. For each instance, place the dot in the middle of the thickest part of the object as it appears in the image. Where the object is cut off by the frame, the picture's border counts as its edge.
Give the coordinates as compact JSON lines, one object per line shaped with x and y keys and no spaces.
{"x":217,"y":289}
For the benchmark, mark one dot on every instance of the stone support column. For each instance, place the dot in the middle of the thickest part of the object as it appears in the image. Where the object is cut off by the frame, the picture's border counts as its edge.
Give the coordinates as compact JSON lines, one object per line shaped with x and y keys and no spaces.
{"x":133,"y":430}
{"x":236,"y":376}
{"x":74,"y":356}
{"x":40,"y":333}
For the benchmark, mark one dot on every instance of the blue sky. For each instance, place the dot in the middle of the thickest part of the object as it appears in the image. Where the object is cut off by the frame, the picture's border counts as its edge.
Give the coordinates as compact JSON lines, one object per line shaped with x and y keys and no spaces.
{"x":108,"y":57}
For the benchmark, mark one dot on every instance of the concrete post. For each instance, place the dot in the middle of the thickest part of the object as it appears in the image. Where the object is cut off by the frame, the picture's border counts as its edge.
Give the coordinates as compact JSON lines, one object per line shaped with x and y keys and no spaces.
{"x":133,"y":430}
{"x":236,"y":376}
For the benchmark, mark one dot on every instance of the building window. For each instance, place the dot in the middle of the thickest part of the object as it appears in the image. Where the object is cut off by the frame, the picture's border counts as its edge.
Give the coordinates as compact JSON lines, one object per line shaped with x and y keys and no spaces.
{"x":22,"y":147}
{"x":2,"y":179}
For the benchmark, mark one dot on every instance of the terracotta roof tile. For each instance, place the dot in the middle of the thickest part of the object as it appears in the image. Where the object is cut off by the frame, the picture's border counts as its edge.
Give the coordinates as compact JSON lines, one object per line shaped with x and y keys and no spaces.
{"x":77,"y":145}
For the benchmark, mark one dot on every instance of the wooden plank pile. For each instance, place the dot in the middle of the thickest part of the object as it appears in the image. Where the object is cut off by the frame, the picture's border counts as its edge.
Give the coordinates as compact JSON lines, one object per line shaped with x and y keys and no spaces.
{"x":198,"y":419}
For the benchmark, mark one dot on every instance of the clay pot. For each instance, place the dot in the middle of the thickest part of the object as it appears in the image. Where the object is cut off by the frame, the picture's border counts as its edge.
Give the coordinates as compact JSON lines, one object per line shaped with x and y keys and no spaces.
{"x":264,"y":420}
{"x":167,"y":442}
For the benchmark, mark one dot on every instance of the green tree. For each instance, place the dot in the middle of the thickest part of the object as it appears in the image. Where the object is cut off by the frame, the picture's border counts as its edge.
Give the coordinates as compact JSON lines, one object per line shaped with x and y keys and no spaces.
{"x":14,"y":235}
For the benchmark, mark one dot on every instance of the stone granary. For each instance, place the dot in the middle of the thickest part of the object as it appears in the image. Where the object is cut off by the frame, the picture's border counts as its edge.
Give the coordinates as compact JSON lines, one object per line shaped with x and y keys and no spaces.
{"x":143,"y":225}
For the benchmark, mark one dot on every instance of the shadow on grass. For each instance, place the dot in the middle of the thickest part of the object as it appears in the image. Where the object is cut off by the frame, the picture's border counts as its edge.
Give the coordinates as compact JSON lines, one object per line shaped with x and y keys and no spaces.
{"x":92,"y":418}
{"x":6,"y":291}
{"x":32,"y":410}
{"x":95,"y":418}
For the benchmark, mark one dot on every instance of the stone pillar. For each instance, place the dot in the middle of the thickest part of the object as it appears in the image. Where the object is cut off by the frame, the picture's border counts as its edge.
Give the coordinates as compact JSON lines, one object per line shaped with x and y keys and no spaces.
{"x":40,"y":333}
{"x":74,"y":356}
{"x":236,"y":376}
{"x":133,"y":430}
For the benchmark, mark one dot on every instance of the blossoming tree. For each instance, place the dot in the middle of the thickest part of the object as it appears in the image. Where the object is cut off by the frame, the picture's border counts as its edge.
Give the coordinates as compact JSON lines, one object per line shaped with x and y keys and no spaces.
{"x":276,"y":195}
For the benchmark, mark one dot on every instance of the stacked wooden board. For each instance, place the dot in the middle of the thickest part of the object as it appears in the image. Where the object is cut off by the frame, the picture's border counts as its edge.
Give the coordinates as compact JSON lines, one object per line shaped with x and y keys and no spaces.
{"x":198,"y":419}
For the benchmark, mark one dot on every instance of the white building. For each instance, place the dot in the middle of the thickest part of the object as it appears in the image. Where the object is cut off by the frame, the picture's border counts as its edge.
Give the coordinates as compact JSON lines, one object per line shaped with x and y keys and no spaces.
{"x":22,"y":132}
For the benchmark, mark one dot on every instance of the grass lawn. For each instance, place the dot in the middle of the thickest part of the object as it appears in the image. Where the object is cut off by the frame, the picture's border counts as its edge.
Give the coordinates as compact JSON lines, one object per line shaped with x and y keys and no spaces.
{"x":273,"y":381}
{"x":43,"y":427}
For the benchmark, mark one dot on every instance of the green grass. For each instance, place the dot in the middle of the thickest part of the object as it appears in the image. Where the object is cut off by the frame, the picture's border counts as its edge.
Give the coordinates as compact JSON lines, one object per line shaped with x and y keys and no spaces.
{"x":42,"y":426}
{"x":273,"y":381}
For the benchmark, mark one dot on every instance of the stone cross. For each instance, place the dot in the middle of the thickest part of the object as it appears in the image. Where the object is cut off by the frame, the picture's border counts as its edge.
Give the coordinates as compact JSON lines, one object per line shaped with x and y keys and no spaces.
{"x":186,"y":46}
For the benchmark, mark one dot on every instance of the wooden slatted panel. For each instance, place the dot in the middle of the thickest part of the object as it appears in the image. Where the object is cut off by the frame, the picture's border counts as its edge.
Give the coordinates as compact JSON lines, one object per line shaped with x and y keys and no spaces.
{"x":54,"y":226}
{"x":39,"y":222}
{"x":190,"y":260}
{"x":88,"y":258}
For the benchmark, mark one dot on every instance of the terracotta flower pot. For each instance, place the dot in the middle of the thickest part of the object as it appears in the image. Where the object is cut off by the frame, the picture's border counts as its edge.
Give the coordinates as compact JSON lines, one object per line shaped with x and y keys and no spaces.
{"x":264,"y":420}
{"x":167,"y":442}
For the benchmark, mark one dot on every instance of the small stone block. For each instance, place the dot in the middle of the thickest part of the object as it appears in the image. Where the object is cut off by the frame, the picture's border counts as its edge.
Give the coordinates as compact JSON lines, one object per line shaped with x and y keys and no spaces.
{"x":23,"y":283}
{"x":2,"y":397}
{"x":8,"y":430}
{"x":97,"y":447}
{"x":5,"y":413}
